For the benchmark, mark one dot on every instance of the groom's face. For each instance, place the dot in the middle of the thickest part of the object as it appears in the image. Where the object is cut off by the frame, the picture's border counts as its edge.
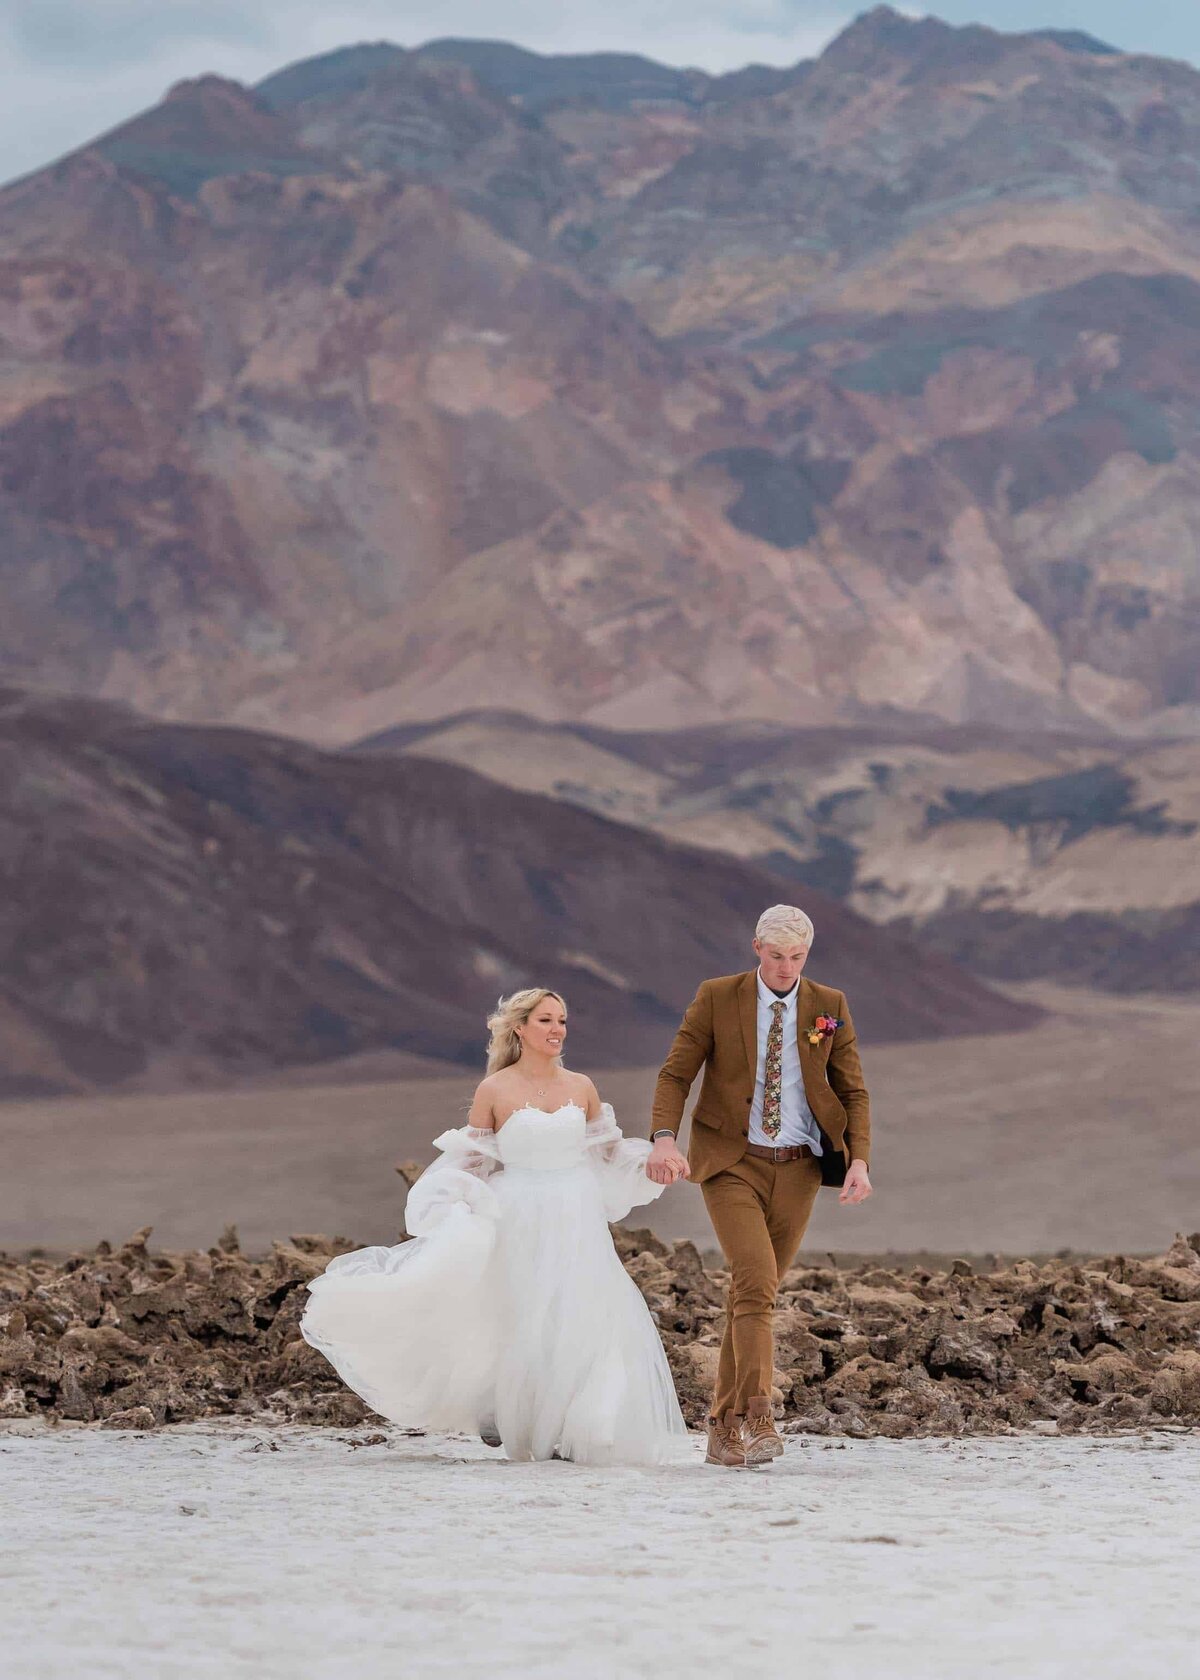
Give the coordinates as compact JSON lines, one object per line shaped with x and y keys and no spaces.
{"x":780,"y":964}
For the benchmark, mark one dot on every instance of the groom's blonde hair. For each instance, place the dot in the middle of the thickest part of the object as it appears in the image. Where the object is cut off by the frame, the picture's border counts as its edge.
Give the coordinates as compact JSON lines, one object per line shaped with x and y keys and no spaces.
{"x":785,"y":924}
{"x":510,"y":1013}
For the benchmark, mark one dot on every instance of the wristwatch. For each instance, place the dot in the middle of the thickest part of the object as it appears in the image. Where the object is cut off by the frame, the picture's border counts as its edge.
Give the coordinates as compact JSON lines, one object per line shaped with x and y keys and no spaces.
{"x":663,"y":1131}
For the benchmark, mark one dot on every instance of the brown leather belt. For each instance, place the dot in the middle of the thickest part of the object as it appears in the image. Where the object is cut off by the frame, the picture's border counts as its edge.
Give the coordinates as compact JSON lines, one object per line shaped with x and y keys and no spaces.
{"x":780,"y":1152}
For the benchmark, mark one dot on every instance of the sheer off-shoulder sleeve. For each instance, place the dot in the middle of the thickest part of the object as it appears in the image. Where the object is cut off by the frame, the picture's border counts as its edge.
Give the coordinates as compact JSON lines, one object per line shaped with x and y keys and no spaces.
{"x":457,"y":1178}
{"x":619,"y":1164}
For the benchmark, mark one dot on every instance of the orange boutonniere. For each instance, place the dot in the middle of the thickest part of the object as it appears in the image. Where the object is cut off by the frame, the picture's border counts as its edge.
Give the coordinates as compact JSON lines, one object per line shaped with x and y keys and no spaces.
{"x":822,"y":1028}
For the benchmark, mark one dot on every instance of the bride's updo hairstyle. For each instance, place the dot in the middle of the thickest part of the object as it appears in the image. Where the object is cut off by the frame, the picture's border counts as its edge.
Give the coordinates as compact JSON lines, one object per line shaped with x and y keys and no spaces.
{"x":509,"y":1014}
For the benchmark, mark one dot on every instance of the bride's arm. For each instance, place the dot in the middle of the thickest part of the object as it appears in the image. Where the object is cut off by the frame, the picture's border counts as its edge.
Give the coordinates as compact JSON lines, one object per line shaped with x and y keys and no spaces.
{"x":605,"y":1139}
{"x":482,"y":1116}
{"x":481,"y":1124}
{"x":619,"y":1162}
{"x":467,"y":1158}
{"x":471,"y":1147}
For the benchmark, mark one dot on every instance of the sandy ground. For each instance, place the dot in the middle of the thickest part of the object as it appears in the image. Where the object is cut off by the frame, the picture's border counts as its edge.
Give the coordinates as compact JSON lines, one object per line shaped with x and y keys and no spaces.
{"x":230,"y":1552}
{"x":1078,"y":1134}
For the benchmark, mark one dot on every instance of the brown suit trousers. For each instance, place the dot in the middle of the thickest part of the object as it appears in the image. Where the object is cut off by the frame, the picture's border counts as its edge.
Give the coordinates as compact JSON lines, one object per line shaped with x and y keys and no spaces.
{"x":759,"y":1209}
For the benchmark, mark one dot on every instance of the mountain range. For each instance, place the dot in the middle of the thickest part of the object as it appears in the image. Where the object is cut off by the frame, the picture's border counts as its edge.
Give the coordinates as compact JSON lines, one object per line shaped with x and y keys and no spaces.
{"x":410,"y":382}
{"x":187,"y":906}
{"x":464,"y":511}
{"x":1050,"y":856}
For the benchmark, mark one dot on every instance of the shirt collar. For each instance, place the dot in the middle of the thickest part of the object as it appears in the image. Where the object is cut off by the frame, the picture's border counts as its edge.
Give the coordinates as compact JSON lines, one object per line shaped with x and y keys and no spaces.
{"x":766,"y":995}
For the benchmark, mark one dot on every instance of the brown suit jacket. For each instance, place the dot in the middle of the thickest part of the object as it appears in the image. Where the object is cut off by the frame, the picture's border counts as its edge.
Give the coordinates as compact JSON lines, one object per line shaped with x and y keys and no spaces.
{"x":719,"y":1033}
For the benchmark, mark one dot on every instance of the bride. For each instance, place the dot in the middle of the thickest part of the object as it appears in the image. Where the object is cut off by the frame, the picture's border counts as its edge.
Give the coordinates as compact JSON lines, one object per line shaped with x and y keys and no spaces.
{"x":510,"y":1314}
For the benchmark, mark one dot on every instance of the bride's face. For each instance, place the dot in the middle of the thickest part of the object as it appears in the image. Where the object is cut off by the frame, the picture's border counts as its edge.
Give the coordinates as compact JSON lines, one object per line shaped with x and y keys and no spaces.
{"x":546,"y":1029}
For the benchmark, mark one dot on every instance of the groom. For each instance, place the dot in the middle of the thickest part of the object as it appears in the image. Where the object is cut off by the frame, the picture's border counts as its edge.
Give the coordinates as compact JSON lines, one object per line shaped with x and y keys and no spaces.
{"x":782,"y":1110}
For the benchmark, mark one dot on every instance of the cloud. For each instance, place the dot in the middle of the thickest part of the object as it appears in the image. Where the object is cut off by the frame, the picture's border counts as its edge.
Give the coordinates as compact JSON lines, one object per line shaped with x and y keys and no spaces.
{"x":58,"y":33}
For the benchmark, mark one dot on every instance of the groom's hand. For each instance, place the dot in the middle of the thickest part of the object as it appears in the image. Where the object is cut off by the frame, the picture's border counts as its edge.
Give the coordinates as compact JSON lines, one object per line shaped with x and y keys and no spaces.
{"x":665,"y":1163}
{"x":857,"y":1186}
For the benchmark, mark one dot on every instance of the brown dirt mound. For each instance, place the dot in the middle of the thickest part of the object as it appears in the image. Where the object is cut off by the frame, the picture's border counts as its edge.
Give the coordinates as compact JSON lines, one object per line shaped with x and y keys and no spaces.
{"x":131,"y":1338}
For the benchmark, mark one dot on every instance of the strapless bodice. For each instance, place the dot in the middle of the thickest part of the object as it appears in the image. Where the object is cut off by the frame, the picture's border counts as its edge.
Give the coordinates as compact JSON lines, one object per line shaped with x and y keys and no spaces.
{"x":543,"y":1138}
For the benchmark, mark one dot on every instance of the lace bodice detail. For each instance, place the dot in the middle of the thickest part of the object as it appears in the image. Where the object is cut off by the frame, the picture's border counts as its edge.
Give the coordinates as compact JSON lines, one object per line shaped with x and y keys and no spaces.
{"x":543,"y":1138}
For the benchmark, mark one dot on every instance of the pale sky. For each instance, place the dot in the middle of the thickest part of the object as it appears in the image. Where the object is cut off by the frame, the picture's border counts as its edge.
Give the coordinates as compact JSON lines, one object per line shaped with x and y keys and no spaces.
{"x":69,"y":69}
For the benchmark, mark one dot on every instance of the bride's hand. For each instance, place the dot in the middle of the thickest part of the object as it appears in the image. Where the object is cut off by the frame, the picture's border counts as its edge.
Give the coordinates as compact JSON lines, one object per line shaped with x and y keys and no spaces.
{"x":665,"y":1164}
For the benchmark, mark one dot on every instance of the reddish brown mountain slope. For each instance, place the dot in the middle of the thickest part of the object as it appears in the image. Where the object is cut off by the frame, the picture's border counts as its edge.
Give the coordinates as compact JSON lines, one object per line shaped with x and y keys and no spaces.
{"x":618,"y":394}
{"x":193,"y":904}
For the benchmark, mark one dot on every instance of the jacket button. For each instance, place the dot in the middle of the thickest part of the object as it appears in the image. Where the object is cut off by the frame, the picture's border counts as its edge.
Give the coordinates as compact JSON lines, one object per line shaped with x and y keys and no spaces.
{"x":749,"y":1099}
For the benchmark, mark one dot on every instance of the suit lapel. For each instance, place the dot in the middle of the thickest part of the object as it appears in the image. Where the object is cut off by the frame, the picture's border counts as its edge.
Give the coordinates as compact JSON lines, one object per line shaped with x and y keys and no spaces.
{"x":805,"y":1016}
{"x":748,"y":1010}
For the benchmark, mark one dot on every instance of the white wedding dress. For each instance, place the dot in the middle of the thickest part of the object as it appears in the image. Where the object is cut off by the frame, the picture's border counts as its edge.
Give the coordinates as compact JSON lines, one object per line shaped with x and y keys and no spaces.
{"x":511,"y":1306}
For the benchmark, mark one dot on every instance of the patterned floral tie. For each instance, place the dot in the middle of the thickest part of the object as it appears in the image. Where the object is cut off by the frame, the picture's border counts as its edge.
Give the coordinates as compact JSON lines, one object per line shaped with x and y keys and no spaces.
{"x":773,"y":1079}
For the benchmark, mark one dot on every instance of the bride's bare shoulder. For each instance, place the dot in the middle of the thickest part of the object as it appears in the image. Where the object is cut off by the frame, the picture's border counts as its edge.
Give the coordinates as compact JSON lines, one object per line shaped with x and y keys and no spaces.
{"x":498,"y":1084}
{"x":583,"y":1091}
{"x":497,"y":1095}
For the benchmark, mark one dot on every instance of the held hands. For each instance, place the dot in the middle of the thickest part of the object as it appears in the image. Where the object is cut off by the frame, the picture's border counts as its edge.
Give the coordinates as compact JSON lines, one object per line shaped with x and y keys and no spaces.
{"x":857,"y":1186}
{"x":665,"y":1163}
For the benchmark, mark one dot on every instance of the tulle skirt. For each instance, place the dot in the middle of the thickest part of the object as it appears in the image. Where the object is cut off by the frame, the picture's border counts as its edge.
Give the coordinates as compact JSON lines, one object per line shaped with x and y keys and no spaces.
{"x":513,"y":1311}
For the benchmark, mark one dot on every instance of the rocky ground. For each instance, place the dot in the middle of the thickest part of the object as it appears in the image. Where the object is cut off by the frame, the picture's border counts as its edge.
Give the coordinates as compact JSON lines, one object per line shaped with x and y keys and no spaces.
{"x":131,"y":1338}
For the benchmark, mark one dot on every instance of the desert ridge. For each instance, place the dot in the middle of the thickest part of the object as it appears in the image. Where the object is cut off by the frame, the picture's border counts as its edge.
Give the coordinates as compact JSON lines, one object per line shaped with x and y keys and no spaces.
{"x":209,"y":904}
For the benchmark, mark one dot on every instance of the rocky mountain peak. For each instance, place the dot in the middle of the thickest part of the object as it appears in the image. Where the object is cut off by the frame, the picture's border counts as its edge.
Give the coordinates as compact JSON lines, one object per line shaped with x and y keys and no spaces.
{"x":610,"y":80}
{"x":1077,"y":41}
{"x":344,"y":71}
{"x":206,"y":126}
{"x":882,"y":31}
{"x":210,"y":87}
{"x":879,"y":37}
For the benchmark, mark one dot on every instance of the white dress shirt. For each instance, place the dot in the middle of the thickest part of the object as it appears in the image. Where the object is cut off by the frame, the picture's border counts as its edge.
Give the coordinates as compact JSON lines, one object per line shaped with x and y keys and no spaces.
{"x":796,"y":1123}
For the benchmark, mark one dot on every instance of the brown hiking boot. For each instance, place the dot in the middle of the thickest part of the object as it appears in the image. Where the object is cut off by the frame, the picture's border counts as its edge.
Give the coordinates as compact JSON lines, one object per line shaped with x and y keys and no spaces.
{"x":725,"y":1442}
{"x":762,"y":1444}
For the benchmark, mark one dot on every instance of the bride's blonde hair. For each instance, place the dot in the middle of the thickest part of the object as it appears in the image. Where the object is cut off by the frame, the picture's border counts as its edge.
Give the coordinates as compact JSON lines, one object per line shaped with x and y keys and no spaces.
{"x":510,"y":1013}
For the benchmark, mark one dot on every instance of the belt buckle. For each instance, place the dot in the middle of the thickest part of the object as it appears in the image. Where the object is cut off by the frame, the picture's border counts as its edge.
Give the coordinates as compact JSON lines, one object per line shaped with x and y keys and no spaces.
{"x":779,"y":1153}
